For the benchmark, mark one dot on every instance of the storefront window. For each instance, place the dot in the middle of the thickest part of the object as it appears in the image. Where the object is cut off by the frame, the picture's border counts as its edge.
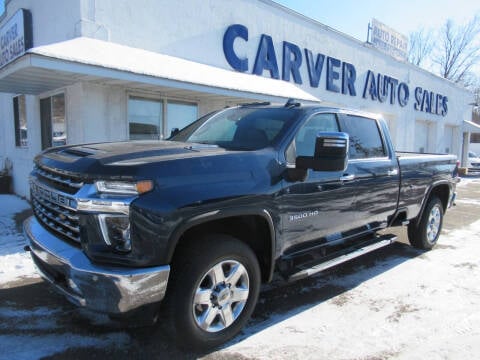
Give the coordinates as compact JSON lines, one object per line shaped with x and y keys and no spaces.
{"x":20,"y":118}
{"x":145,"y":118}
{"x":180,"y":115}
{"x":53,"y":121}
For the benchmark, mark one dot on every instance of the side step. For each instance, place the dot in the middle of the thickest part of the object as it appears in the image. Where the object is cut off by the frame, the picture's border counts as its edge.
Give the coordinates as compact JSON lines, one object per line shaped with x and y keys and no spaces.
{"x":350,"y":254}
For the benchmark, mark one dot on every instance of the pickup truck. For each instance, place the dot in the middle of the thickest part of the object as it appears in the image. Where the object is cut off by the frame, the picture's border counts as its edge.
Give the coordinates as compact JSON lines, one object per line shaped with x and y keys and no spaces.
{"x":198,"y":222}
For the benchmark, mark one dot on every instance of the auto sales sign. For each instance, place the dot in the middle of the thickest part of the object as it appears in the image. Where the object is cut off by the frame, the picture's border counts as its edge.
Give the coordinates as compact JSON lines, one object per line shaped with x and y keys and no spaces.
{"x":388,"y":40}
{"x":15,"y":37}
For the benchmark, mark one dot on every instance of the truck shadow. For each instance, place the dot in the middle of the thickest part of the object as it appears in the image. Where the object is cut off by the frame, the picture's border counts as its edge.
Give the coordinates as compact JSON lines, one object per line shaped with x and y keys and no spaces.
{"x":279,"y":302}
{"x":32,"y":309}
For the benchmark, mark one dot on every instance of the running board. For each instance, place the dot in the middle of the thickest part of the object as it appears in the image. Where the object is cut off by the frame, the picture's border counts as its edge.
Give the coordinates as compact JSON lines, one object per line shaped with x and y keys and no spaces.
{"x":356,"y":252}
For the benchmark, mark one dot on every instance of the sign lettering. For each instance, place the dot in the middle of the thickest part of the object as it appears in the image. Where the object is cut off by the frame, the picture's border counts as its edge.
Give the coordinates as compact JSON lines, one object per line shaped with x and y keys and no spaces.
{"x":15,"y":37}
{"x":340,"y":76}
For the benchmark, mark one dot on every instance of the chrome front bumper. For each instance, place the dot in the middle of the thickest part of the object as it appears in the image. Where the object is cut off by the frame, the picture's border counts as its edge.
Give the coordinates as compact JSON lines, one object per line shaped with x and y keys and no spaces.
{"x":112,"y":290}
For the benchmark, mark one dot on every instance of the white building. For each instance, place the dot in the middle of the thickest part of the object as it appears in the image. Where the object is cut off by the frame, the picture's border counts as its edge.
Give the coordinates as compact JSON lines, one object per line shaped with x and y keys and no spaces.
{"x":108,"y":70}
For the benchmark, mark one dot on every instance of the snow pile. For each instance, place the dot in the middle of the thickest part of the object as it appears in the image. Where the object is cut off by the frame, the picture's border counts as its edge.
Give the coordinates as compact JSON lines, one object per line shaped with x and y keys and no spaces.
{"x":15,"y":263}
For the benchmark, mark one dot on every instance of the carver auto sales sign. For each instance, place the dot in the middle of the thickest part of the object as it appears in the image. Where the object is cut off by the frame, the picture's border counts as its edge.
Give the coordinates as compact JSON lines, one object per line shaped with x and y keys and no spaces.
{"x":15,"y":37}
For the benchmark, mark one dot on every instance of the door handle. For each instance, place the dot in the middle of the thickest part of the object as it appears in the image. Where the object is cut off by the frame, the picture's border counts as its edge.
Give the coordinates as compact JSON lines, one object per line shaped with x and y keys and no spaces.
{"x":392,"y":172}
{"x":347,"y":177}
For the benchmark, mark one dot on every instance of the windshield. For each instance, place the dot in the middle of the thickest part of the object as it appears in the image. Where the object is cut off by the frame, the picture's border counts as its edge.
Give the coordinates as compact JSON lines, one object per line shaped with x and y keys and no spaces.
{"x":239,"y":128}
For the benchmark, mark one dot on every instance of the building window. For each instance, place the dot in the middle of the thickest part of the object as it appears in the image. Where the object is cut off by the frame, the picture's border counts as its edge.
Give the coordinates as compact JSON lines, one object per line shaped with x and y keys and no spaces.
{"x":20,"y":118}
{"x":153,"y":119}
{"x":53,"y":122}
{"x":145,"y":118}
{"x":180,"y":115}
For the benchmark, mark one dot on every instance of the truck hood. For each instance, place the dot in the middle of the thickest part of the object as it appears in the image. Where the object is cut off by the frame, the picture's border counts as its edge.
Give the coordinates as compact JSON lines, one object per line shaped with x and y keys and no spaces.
{"x":136,"y":159}
{"x":132,"y":151}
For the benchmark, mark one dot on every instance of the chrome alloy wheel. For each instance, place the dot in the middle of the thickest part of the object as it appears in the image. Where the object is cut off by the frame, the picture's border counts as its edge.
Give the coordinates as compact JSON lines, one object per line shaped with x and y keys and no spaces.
{"x":433,"y":224}
{"x":221,"y":296}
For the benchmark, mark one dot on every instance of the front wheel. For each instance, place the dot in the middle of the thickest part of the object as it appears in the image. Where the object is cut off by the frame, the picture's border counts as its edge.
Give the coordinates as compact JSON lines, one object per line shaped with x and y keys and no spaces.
{"x":425,"y":234}
{"x":215,"y":288}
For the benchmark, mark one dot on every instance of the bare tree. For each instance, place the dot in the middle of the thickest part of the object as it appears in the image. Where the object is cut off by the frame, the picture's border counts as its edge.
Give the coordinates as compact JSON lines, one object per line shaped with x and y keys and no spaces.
{"x":458,"y":50}
{"x":420,"y":46}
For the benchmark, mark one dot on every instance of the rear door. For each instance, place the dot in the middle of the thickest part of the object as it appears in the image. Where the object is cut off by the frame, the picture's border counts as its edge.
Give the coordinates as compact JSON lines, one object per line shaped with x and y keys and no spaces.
{"x":372,"y":168}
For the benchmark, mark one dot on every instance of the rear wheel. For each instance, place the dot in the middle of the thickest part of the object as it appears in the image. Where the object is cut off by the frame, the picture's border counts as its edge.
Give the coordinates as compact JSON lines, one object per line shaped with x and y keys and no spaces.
{"x":215,"y":286}
{"x":425,"y":234}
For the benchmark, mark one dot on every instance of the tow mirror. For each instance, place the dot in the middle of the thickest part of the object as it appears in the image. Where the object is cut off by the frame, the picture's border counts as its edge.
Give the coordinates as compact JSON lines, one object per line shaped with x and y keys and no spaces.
{"x":331,"y":153}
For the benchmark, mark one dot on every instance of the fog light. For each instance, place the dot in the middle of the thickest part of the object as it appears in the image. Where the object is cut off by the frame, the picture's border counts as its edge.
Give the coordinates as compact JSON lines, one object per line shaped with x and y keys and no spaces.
{"x":116,"y":231}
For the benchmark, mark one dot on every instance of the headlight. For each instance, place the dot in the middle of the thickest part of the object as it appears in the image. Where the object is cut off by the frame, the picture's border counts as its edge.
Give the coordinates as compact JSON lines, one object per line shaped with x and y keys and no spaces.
{"x":124,"y":187}
{"x":116,"y":231}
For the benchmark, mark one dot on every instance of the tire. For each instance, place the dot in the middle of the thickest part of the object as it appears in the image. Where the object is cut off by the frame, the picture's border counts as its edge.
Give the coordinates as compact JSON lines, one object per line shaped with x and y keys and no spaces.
{"x":215,"y":286}
{"x":424,"y":235}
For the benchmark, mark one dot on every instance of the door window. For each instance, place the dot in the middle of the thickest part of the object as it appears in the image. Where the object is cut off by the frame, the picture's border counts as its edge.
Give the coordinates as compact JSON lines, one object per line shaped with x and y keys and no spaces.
{"x":365,"y":139}
{"x":304,"y":142}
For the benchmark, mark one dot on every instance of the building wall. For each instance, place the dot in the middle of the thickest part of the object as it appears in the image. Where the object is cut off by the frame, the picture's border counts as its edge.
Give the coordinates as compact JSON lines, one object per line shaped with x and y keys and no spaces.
{"x":19,"y":157}
{"x":194,"y":30}
{"x":95,"y":113}
{"x":163,"y":30}
{"x":52,"y":20}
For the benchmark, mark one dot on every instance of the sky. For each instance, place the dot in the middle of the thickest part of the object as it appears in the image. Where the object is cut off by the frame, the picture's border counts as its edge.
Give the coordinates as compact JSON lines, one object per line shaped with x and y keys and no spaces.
{"x":352,"y":17}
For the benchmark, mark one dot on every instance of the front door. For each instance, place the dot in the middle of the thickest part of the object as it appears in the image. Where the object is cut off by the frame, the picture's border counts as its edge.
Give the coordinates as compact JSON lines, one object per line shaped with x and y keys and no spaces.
{"x":330,"y":206}
{"x":320,"y":207}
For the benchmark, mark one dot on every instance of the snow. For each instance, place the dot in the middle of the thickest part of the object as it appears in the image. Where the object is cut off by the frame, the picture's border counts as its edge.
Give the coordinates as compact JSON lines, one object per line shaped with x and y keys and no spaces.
{"x":407,"y":305}
{"x":142,"y":62}
{"x":15,"y":263}
{"x":414,"y":309}
{"x":41,"y":346}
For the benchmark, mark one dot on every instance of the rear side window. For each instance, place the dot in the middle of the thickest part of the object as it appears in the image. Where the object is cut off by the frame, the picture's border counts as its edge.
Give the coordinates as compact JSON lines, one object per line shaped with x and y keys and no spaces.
{"x":365,"y":139}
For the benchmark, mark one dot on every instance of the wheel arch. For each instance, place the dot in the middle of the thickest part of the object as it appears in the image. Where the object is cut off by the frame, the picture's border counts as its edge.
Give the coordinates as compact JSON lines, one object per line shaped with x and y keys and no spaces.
{"x":254,"y":227}
{"x":441,"y":190}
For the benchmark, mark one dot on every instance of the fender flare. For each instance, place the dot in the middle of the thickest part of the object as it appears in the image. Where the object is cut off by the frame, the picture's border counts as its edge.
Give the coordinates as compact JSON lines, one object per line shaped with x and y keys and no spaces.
{"x":223,"y":214}
{"x":428,"y":193}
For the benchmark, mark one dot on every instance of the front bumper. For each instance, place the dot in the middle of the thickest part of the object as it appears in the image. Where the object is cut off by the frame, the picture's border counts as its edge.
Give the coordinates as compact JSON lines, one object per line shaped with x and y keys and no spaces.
{"x":112,"y":290}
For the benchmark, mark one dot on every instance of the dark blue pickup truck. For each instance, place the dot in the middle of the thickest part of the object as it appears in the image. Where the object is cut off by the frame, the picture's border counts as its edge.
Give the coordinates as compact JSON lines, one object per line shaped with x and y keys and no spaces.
{"x":199,"y":221}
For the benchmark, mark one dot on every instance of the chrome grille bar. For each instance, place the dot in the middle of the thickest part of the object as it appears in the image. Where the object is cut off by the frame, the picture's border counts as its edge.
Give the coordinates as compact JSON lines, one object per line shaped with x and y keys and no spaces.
{"x":50,"y":215}
{"x":59,"y":178}
{"x":49,"y":205}
{"x":49,"y":222}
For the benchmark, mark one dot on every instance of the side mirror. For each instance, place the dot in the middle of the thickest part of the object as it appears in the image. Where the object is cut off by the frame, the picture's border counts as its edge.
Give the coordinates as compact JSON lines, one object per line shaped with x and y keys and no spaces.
{"x":174,"y":132}
{"x":331,"y":153}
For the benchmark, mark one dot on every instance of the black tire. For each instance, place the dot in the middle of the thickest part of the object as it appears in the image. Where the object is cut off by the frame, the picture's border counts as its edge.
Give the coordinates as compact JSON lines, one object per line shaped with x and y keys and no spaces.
{"x":214,"y":289}
{"x":424,"y":235}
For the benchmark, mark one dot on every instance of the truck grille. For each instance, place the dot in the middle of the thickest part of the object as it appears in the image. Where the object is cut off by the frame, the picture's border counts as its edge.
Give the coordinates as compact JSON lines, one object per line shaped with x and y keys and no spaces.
{"x":64,"y":183}
{"x":52,"y":204}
